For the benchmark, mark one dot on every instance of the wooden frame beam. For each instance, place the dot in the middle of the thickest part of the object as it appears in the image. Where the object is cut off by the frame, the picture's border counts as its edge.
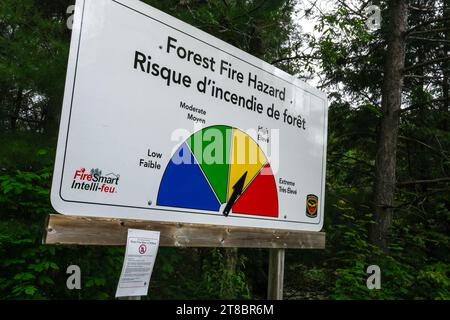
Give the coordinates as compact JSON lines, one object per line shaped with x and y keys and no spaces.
{"x":64,"y":229}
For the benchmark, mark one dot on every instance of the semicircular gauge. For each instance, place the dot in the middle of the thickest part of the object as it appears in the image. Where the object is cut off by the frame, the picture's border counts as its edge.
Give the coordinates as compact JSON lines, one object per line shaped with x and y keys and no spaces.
{"x":219,"y":167}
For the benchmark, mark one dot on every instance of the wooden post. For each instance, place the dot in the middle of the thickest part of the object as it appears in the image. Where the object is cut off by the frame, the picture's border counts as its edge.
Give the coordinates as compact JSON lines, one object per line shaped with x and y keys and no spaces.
{"x":130,"y":298}
{"x":276,"y":274}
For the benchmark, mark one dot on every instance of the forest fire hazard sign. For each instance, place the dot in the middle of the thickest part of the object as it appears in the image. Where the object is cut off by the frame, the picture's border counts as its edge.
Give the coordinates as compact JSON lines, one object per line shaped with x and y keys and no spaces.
{"x":164,"y":122}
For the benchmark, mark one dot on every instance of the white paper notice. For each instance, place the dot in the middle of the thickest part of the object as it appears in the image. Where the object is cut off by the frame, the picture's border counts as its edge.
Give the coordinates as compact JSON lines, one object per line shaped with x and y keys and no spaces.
{"x":140,"y":255}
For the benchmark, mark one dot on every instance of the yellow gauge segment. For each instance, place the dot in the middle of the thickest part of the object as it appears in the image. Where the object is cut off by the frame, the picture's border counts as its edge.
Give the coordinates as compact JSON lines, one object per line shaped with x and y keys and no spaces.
{"x":246,"y":156}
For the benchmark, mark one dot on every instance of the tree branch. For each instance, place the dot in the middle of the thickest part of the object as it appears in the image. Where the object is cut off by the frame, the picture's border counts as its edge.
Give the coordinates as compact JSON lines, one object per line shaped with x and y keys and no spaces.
{"x":430,"y":40}
{"x":418,"y":105}
{"x":426,"y":63}
{"x":297,"y":56}
{"x":437,"y":180}
{"x":439,"y":152}
{"x":429,"y":31}
{"x":427,"y":23}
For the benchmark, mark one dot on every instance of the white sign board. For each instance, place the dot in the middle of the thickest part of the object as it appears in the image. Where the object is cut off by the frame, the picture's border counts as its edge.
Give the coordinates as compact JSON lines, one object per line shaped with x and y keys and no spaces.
{"x":164,"y":122}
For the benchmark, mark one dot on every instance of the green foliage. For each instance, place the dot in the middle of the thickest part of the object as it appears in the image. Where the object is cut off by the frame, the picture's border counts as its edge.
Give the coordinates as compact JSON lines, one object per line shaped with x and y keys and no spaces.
{"x":26,"y":266}
{"x":416,"y":265}
{"x":261,"y":28}
{"x":435,"y":279}
{"x":418,"y":261}
{"x":219,"y":281}
{"x":197,"y":274}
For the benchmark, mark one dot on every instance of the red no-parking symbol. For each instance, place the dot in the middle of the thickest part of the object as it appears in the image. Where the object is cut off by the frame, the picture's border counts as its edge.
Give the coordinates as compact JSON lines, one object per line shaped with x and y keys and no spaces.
{"x":142,"y":249}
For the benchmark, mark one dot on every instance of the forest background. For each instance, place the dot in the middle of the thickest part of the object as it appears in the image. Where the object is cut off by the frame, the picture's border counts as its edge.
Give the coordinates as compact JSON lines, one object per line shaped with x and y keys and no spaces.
{"x":388,"y":169}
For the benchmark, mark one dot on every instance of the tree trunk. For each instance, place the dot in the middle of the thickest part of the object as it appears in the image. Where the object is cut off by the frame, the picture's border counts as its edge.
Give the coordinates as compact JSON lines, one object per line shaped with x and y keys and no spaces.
{"x":445,"y":69}
{"x":385,"y":162}
{"x":15,"y":113}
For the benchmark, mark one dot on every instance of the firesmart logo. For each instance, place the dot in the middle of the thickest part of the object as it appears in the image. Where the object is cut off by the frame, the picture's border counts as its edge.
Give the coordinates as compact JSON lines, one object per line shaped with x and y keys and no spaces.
{"x":94,"y":181}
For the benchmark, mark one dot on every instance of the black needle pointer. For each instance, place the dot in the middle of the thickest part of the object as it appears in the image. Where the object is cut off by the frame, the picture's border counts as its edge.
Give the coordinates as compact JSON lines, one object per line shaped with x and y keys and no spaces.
{"x":237,"y":190}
